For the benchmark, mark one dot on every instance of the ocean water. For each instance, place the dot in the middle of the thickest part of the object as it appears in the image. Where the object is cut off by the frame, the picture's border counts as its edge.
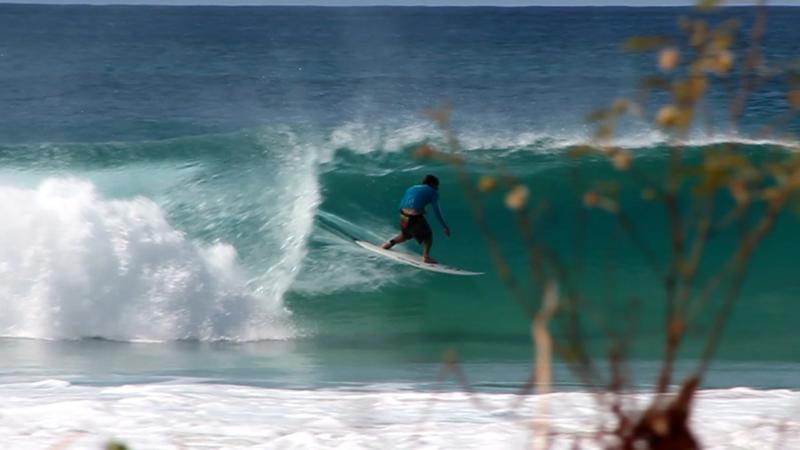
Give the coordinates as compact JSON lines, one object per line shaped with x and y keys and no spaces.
{"x":169,"y":274}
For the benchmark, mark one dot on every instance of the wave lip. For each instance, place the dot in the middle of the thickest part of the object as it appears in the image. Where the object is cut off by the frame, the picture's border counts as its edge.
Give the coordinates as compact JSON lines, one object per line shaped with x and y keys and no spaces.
{"x":74,"y":265}
{"x":548,"y":143}
{"x":362,"y":138}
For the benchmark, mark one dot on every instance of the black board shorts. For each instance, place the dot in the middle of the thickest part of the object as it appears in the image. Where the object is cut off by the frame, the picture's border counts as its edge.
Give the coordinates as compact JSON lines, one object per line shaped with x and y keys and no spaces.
{"x":416,"y":227}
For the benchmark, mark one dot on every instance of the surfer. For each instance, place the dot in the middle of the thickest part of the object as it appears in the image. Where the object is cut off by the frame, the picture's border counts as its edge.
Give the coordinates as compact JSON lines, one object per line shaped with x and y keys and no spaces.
{"x":412,"y":216}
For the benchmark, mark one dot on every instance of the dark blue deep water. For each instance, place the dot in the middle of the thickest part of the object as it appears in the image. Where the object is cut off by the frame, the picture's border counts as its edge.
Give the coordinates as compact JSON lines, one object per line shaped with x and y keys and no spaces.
{"x":80,"y":73}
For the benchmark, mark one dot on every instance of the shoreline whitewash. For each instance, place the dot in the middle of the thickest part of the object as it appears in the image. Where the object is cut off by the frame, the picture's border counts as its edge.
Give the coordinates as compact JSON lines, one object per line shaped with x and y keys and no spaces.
{"x":180,"y":415}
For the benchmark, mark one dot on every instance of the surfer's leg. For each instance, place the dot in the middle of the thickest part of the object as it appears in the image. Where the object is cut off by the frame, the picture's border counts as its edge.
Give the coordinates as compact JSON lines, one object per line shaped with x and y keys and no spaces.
{"x":395,"y":240}
{"x":426,"y":250}
{"x":405,"y":233}
{"x":424,"y":236}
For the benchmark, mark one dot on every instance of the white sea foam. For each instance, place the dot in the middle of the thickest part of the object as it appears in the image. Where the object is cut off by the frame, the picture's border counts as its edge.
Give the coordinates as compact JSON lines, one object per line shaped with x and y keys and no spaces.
{"x":74,"y":264}
{"x":364,"y":138}
{"x":642,"y":139}
{"x":336,"y":264}
{"x":291,"y":204}
{"x":194,"y":416}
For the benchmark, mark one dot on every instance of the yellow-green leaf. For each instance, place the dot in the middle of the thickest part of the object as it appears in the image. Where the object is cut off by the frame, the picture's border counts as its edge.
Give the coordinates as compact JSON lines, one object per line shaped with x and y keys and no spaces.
{"x":581,"y":151}
{"x":655,"y":82}
{"x":794,"y":99}
{"x":487,"y":184}
{"x":646,"y":43}
{"x":709,"y":4}
{"x":598,"y":115}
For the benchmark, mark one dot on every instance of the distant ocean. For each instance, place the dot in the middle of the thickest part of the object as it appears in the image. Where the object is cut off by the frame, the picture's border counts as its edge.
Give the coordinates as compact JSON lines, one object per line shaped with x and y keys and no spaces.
{"x":166,"y":278}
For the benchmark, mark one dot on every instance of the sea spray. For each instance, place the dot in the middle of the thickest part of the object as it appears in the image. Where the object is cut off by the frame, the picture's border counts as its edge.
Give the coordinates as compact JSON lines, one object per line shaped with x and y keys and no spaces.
{"x":78,"y":265}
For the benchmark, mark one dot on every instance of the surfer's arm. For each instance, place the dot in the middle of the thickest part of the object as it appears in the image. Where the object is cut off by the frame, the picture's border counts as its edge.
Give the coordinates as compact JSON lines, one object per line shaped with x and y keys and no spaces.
{"x":438,"y":212}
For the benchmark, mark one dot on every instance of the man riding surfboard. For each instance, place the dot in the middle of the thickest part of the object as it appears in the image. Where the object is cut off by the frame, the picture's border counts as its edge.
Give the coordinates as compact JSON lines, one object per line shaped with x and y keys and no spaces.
{"x":412,"y":216}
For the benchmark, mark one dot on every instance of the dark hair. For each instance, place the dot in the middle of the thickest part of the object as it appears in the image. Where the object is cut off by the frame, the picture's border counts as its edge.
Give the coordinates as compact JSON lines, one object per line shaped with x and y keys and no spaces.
{"x":431,"y":181}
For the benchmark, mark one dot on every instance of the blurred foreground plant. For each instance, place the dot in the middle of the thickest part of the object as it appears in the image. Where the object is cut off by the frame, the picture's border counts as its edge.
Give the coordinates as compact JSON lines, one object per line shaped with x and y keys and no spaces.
{"x":703,"y":193}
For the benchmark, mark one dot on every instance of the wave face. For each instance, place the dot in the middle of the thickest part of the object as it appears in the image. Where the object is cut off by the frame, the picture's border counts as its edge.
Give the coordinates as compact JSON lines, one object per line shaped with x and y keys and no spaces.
{"x":228,"y":237}
{"x":344,"y":292}
{"x":167,"y":179}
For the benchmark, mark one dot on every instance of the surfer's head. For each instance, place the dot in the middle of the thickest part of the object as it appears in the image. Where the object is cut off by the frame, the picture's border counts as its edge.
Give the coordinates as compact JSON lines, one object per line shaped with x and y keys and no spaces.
{"x":431,"y":181}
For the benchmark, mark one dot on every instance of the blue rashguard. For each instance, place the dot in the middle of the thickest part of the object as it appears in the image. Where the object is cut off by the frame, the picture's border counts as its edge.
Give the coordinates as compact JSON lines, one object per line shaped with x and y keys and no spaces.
{"x":419,"y":196}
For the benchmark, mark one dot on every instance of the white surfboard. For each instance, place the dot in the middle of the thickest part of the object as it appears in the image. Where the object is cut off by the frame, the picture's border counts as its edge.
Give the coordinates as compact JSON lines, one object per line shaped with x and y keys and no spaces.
{"x":413,"y":260}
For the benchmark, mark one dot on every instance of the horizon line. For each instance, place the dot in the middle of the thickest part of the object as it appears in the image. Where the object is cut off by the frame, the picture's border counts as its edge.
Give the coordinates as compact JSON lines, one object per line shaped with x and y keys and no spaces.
{"x":376,"y":5}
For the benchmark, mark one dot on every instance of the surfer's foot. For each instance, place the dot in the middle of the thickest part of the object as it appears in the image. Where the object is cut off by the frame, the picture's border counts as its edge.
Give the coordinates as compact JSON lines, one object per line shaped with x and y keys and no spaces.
{"x":387,"y":245}
{"x":429,"y":260}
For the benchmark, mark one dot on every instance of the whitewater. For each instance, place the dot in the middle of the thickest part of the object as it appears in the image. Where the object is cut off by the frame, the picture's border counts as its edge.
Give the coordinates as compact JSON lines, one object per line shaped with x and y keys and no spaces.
{"x":53,"y":413}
